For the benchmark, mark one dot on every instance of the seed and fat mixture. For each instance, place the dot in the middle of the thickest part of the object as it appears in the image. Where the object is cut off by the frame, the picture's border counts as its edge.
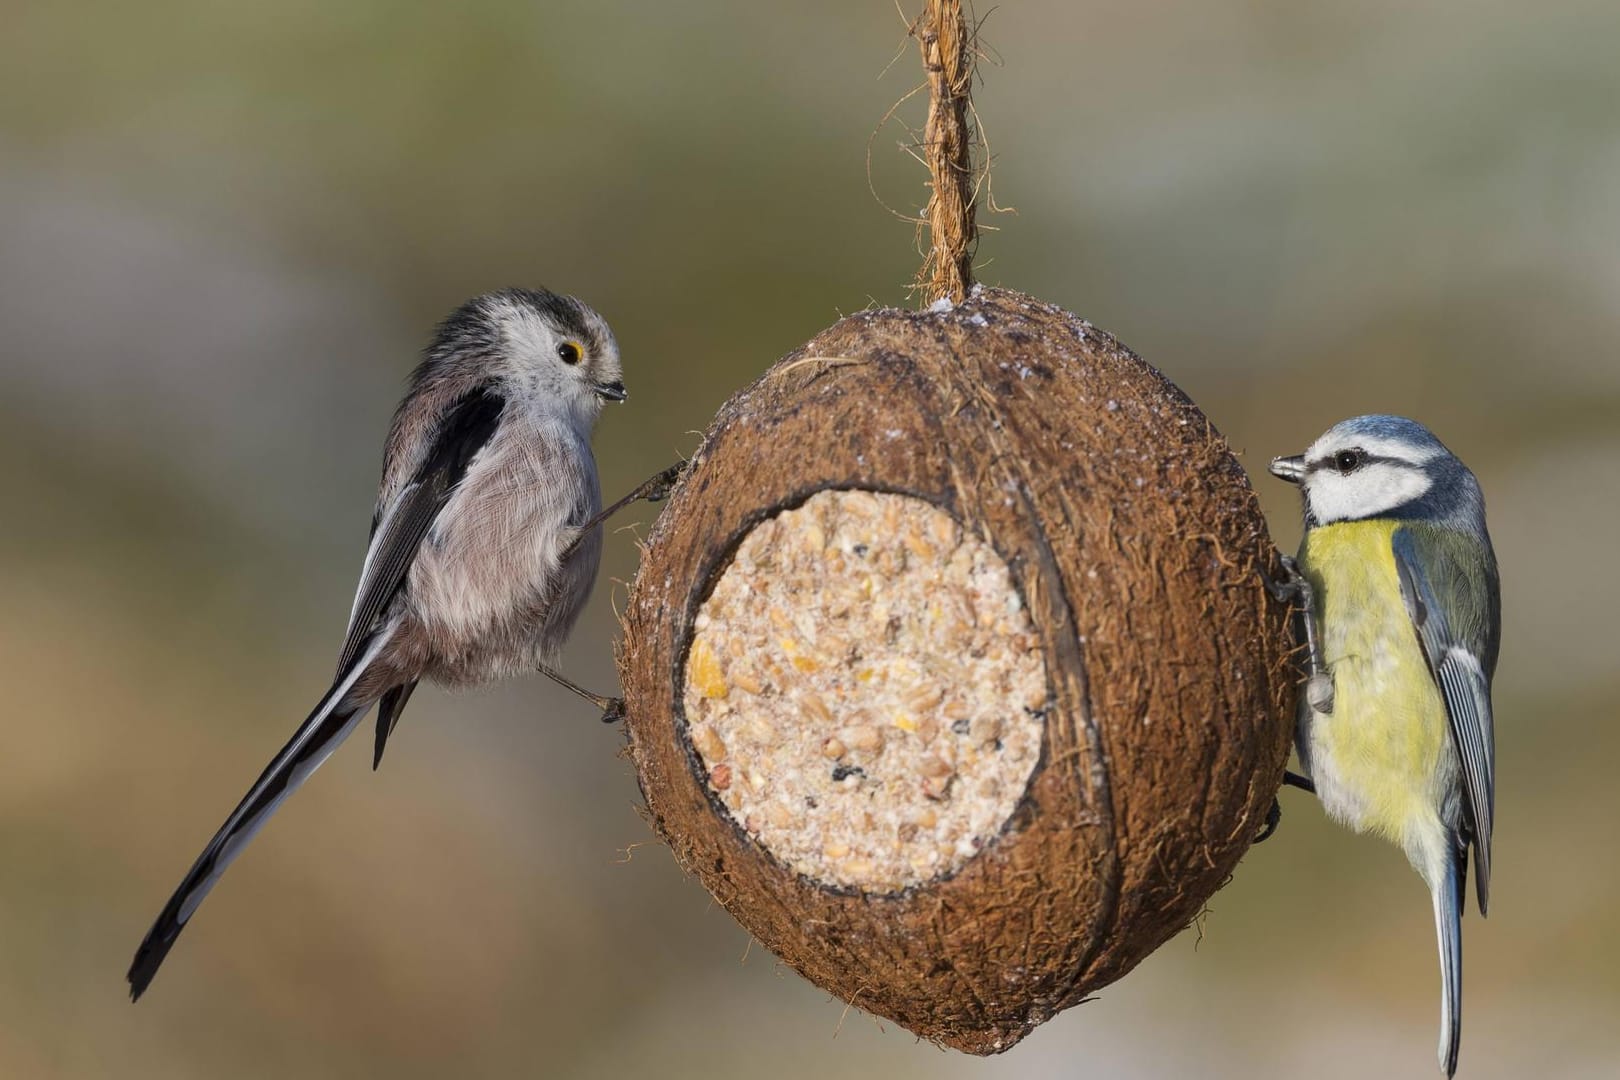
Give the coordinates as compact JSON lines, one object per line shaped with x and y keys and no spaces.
{"x":865,"y":690}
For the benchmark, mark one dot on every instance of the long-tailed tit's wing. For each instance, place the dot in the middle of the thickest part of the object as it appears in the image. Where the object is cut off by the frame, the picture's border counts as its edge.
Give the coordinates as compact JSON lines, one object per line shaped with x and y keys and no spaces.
{"x":1455,"y":626}
{"x":325,"y":729}
{"x":401,"y":526}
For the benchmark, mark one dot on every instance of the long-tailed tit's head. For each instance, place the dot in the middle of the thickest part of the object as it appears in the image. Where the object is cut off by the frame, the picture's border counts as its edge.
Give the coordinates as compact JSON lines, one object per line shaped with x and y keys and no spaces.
{"x":541,"y":346}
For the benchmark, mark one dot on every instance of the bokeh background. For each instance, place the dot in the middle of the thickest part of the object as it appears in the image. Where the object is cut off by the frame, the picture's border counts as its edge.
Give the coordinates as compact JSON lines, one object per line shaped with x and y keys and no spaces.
{"x":225,"y":231}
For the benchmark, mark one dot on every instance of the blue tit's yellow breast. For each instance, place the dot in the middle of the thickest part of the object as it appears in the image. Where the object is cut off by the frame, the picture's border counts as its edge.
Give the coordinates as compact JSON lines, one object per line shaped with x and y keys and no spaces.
{"x":1378,"y":756}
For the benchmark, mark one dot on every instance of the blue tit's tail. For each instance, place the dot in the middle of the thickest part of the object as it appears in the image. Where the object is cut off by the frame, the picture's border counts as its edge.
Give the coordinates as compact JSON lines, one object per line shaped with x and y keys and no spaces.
{"x":1448,"y":925}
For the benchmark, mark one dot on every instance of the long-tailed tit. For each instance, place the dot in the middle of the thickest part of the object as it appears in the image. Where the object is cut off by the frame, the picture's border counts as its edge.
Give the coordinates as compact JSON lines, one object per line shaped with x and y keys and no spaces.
{"x":484,"y":543}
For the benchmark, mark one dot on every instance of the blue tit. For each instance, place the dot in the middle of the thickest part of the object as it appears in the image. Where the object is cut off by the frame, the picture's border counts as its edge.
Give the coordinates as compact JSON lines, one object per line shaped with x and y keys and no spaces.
{"x":1402,"y":610}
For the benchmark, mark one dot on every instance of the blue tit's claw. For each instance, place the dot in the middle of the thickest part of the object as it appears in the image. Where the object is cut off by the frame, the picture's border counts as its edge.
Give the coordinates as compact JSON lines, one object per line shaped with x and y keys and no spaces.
{"x":1295,"y":589}
{"x":1274,"y":815}
{"x":1273,"y":818}
{"x":1292,"y":583}
{"x":1279,"y":590}
{"x":613,"y":712}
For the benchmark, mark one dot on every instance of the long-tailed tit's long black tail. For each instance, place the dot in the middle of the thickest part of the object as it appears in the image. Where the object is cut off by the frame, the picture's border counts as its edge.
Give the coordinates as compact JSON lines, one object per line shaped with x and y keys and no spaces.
{"x":331,"y":722}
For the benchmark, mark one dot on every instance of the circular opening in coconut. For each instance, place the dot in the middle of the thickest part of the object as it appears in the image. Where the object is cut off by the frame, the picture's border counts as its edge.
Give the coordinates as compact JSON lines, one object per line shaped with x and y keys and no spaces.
{"x":865,"y":691}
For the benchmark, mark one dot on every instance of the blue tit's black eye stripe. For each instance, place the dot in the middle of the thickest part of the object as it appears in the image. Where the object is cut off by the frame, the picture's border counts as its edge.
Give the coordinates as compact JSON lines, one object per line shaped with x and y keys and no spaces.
{"x":1362,"y":460}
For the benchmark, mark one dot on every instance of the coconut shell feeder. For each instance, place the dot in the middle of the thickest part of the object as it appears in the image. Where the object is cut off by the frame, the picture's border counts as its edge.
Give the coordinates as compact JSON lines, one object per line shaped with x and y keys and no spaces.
{"x":948,"y":668}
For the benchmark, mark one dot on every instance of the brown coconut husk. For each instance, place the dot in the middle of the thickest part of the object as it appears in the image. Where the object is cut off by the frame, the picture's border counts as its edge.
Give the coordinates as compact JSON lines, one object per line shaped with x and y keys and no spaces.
{"x":1136,"y":542}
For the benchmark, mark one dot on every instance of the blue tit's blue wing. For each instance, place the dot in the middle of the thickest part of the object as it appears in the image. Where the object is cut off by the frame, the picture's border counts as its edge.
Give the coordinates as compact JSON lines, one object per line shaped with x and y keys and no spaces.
{"x":1448,"y":580}
{"x":399,"y":528}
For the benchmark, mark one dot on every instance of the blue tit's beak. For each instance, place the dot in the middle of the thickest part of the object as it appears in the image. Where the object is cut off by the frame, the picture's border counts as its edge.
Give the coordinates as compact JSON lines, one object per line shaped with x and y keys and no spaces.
{"x":1291,"y":469}
{"x":611,"y":391}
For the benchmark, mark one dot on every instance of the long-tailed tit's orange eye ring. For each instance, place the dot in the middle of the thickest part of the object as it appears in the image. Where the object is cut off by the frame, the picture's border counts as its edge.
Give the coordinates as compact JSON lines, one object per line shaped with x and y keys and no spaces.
{"x":568,"y":352}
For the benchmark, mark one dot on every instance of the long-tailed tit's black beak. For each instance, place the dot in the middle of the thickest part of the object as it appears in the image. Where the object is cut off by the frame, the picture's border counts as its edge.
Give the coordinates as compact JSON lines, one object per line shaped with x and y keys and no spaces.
{"x":611,"y":391}
{"x":1291,"y":469}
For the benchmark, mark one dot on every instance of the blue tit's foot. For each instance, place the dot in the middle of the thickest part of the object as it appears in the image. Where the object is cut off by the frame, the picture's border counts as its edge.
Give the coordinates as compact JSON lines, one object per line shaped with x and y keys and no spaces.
{"x":1273,"y":818}
{"x":1274,"y":815}
{"x":1295,"y":589}
{"x":1294,"y":779}
{"x":1291,"y":586}
{"x":613,"y":711}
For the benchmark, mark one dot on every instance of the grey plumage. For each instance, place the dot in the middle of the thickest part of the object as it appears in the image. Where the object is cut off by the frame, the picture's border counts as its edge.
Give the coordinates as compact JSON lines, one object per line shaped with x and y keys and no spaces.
{"x":487,"y":480}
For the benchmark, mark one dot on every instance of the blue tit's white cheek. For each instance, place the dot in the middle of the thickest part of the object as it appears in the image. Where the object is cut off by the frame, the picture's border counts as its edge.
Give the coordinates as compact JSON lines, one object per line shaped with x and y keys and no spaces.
{"x":1367,"y":492}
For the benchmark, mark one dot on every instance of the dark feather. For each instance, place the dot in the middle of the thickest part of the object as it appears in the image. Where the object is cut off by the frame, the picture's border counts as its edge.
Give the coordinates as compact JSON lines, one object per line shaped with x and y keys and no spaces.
{"x":388,"y":710}
{"x":316,"y":738}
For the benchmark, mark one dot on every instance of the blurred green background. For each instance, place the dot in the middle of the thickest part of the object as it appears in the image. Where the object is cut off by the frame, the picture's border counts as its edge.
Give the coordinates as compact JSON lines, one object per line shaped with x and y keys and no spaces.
{"x":225,"y":231}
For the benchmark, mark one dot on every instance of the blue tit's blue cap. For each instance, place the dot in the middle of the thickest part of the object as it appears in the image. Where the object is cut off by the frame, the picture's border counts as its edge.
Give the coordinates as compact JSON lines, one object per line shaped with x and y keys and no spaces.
{"x":1394,"y":428}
